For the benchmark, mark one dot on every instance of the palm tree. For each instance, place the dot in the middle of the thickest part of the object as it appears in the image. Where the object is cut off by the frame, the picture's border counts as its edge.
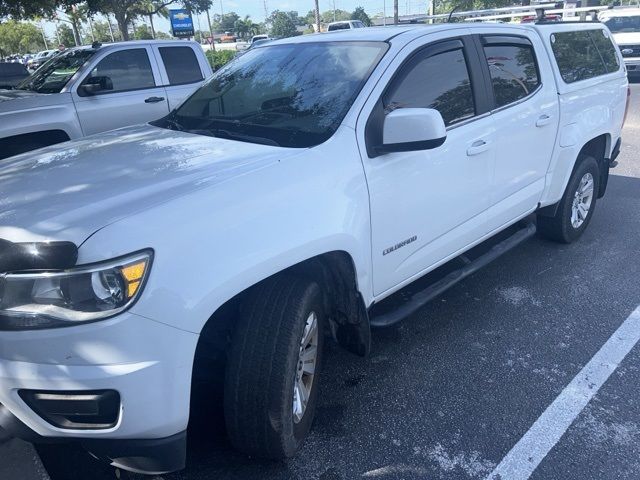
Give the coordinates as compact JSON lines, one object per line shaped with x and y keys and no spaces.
{"x":155,"y":8}
{"x":318,"y":16}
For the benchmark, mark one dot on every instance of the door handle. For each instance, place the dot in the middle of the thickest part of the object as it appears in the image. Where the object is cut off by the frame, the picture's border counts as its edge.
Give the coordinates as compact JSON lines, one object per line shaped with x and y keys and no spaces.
{"x":477,"y":147}
{"x":543,"y":120}
{"x":154,"y":99}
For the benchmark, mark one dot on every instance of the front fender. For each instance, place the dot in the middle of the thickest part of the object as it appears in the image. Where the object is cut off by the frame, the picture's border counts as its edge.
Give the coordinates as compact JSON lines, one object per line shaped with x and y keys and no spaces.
{"x":216,"y":242}
{"x":32,"y":118}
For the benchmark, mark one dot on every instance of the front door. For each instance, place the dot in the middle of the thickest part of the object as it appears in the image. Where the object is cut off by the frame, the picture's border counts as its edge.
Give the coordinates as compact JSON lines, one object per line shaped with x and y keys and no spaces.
{"x":427,"y":206}
{"x":134,"y":98}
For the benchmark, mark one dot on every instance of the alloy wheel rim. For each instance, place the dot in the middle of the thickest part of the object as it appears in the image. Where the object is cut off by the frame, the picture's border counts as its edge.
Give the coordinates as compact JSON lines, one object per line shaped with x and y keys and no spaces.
{"x":305,"y":367}
{"x":582,"y":200}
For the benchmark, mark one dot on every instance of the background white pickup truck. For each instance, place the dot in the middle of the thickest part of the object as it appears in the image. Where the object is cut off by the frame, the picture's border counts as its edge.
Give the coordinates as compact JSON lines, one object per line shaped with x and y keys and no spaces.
{"x":624,"y":24}
{"x":292,"y":195}
{"x":91,"y":89}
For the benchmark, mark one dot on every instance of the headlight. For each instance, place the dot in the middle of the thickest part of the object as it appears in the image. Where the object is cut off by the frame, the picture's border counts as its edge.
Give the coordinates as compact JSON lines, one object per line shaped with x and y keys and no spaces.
{"x":49,"y":299}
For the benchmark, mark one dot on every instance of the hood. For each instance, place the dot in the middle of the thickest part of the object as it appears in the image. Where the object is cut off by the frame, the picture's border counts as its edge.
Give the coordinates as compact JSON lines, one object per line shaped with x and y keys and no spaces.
{"x":17,"y":94}
{"x":68,"y":191}
{"x":627,"y":38}
{"x":13,"y":100}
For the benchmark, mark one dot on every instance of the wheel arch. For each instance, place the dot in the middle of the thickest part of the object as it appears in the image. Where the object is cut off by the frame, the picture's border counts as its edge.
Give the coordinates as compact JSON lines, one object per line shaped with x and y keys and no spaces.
{"x":335,"y":272}
{"x":21,"y":143}
{"x":598,"y":147}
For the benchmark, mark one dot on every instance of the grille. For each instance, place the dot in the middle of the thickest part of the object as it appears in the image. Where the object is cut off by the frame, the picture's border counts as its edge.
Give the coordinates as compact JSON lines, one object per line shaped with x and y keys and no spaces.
{"x":630,"y":50}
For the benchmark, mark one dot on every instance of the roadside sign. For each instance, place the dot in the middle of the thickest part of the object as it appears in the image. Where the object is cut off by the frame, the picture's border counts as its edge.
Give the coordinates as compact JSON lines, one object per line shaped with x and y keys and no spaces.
{"x":181,"y":23}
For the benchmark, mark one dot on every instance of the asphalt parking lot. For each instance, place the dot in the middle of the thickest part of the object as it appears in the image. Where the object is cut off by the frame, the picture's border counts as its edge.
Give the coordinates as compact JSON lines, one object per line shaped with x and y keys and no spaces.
{"x":449,"y":392}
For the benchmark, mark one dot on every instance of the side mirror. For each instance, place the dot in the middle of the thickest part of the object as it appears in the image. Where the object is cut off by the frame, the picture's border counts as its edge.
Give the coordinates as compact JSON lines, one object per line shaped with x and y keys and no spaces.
{"x":412,"y":129}
{"x":93,"y":85}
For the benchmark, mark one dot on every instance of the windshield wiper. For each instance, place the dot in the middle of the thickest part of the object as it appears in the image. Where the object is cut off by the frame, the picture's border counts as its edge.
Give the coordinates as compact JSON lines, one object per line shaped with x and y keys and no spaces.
{"x":243,"y":137}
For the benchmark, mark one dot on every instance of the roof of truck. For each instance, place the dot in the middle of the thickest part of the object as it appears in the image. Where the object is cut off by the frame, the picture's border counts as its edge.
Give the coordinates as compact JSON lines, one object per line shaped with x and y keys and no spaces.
{"x":378,"y":34}
{"x":409,"y":32}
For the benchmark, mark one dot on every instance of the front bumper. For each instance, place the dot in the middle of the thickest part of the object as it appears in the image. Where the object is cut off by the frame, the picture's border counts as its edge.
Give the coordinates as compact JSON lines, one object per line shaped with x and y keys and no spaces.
{"x":633,"y":67}
{"x":147,"y":363}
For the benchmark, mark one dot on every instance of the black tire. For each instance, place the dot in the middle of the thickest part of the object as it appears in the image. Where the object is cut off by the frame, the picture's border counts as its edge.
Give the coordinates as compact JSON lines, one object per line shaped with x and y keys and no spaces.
{"x":559,"y":227}
{"x":262,"y":366}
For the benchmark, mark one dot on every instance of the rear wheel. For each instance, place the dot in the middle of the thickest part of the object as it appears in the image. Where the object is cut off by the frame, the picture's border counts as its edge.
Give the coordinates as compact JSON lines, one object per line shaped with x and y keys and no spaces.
{"x":271,"y":383}
{"x":577,"y":205}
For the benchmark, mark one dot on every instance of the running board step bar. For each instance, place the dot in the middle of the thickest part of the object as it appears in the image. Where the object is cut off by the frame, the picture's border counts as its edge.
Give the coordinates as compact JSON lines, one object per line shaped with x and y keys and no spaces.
{"x":421,"y":298}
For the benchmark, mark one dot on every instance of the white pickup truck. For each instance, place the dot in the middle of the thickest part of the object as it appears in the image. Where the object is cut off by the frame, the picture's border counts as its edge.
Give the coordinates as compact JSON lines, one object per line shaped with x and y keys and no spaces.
{"x":92,"y":89}
{"x":624,"y":24}
{"x":285,"y":202}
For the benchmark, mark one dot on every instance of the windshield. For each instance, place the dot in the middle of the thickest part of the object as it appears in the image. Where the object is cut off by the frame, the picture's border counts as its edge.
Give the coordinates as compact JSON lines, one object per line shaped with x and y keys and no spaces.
{"x":623,"y":24}
{"x":292,"y":95}
{"x":54,"y":74}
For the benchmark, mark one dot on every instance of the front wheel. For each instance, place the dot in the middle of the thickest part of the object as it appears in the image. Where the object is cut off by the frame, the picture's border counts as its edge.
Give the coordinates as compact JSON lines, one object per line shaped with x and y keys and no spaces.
{"x":271,"y":383}
{"x":577,"y":205}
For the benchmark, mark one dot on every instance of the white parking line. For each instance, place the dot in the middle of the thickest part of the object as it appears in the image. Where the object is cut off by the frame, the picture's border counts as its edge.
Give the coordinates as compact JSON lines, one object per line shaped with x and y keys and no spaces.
{"x":547,"y":430}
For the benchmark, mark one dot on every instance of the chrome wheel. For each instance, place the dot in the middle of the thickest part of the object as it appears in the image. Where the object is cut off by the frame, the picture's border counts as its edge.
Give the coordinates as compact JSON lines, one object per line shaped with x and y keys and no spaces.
{"x":306,"y":367}
{"x":582,"y":200}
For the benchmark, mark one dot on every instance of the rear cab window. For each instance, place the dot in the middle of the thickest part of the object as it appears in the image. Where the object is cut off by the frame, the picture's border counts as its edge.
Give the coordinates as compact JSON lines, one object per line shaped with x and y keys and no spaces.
{"x":181,"y":65}
{"x":584,"y":54}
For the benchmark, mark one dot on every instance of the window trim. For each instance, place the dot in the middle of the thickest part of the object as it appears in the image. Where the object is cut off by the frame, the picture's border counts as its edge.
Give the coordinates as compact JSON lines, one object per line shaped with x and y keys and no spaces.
{"x":520,"y":41}
{"x":109,"y":92}
{"x":482,"y":106}
{"x":164,"y":65}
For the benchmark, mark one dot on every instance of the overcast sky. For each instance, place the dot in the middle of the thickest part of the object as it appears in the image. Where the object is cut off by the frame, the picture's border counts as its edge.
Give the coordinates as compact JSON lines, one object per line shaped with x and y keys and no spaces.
{"x":256,"y":9}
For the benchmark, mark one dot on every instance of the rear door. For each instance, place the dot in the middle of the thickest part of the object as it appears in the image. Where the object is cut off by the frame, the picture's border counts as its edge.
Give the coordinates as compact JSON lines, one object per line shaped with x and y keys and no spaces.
{"x":137,"y":95}
{"x":181,"y":71}
{"x":526,"y":116}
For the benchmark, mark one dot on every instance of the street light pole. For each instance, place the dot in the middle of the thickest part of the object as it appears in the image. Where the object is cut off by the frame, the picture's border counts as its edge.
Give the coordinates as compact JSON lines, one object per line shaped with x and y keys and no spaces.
{"x":110,"y":29}
{"x":44,"y":37}
{"x":317,"y":16}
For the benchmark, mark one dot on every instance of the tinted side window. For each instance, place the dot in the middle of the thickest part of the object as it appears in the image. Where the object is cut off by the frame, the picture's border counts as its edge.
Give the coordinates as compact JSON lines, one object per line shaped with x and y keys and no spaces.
{"x":440,"y":82}
{"x":577,"y":56}
{"x":181,"y":65}
{"x":513,"y":69}
{"x":127,"y":69}
{"x":607,"y":50}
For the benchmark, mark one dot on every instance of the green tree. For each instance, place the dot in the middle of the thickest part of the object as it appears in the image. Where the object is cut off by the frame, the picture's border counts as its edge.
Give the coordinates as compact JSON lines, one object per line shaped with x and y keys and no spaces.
{"x":334,"y":16}
{"x":360,"y":14}
{"x":65,"y":33}
{"x":19,"y":37}
{"x":282,"y":25}
{"x":124,"y":11}
{"x":24,"y":9}
{"x":225,"y":23}
{"x":100,"y":33}
{"x":142,"y":32}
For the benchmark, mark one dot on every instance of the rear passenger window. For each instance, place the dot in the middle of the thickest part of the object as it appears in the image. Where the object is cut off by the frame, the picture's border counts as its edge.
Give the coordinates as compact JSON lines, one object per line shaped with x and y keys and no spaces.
{"x":513,"y":69}
{"x":440,"y":82}
{"x":583,"y":54}
{"x":181,"y":65}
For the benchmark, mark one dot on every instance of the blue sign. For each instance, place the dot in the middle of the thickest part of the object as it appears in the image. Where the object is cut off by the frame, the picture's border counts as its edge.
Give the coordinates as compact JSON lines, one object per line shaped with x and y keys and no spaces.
{"x":181,"y":23}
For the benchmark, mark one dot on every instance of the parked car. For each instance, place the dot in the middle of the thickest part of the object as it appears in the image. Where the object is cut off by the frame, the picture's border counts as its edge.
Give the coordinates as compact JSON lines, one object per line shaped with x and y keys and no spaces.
{"x":256,"y":38}
{"x":11,"y":74}
{"x":86,"y":90}
{"x":289,"y":198}
{"x":39,"y":59}
{"x":345,"y":25}
{"x":624,"y":24}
